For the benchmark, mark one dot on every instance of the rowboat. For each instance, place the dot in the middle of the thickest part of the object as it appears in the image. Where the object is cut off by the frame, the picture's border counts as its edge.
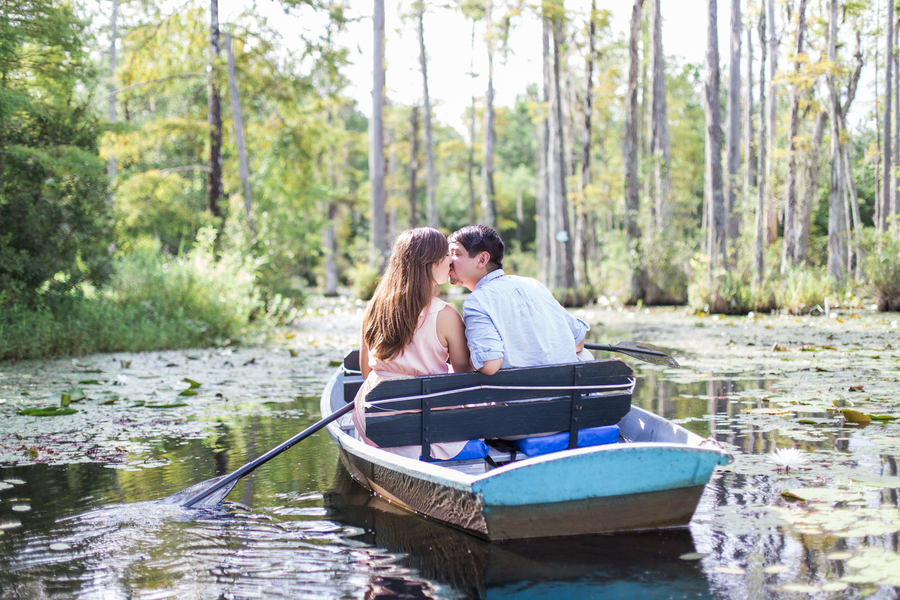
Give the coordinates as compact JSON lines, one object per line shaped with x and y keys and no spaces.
{"x":574,"y":481}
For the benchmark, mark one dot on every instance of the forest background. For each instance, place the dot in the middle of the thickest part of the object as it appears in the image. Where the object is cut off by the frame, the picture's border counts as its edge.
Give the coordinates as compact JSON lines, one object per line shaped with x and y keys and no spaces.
{"x":167,"y":180}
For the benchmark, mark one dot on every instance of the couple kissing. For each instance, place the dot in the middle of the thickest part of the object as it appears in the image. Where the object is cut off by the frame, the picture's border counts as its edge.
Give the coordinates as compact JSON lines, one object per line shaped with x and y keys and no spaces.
{"x":508,"y":320}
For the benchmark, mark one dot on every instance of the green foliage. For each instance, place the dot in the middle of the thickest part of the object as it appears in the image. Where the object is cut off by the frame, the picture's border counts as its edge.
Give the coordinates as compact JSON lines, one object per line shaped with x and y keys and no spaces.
{"x":803,"y":288}
{"x":155,"y":301}
{"x":731,"y":292}
{"x":307,"y":145}
{"x":882,"y":268}
{"x":364,"y":279}
{"x":54,"y":224}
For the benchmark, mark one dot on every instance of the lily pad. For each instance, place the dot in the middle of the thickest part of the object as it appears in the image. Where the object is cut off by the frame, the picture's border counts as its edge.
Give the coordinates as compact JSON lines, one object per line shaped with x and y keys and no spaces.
{"x":878,"y":482}
{"x":821,"y":494}
{"x":803,"y":588}
{"x":188,"y":392}
{"x":883,"y":417}
{"x":193,"y":384}
{"x":839,"y":556}
{"x":854,"y":416}
{"x":730,"y":570}
{"x":49,"y":411}
{"x":175,"y":405}
{"x":767,"y":411}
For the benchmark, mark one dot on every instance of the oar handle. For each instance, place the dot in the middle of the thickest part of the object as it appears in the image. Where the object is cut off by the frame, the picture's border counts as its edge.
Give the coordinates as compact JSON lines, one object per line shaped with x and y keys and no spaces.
{"x":270,"y":454}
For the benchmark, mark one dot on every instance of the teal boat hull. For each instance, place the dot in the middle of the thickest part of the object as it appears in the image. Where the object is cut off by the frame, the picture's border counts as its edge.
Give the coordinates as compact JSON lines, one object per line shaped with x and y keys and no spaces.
{"x":653,"y":481}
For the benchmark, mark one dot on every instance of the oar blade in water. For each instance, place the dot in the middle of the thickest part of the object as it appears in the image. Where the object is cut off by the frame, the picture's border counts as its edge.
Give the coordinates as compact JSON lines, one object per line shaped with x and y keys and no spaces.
{"x":648,"y":352}
{"x":640,"y":350}
{"x":208,"y":502}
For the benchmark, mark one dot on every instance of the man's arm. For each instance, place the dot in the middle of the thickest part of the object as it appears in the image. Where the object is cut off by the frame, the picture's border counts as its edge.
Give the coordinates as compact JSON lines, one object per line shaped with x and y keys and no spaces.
{"x":485,"y":344}
{"x":491,"y":366}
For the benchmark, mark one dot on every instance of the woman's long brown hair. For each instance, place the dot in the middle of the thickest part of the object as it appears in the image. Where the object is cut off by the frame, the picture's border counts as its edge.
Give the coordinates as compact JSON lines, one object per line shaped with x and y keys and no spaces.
{"x":403,"y":292}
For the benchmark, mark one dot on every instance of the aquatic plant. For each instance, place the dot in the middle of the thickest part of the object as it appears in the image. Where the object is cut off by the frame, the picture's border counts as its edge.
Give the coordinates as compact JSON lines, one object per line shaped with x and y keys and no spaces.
{"x":786,"y":458}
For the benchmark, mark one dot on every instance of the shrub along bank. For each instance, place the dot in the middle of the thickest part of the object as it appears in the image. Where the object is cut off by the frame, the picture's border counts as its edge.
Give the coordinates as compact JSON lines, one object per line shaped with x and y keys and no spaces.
{"x":154,"y":301}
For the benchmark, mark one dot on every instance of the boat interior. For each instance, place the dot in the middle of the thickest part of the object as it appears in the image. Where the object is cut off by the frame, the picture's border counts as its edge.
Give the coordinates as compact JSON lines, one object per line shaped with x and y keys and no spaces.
{"x":518,"y":413}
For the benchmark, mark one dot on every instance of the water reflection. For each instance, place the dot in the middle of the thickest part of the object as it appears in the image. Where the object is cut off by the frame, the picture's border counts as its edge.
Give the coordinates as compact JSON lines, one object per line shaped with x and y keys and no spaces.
{"x":644,"y":565}
{"x":300,"y":528}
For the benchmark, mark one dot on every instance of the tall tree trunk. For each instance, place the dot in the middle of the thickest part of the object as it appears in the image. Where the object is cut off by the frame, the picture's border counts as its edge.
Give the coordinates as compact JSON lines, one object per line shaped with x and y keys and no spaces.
{"x":835,"y":199}
{"x":487,"y":168}
{"x":888,"y":94}
{"x":733,"y":132}
{"x":471,"y":165}
{"x":544,"y":226}
{"x":895,"y":182}
{"x":632,"y":191}
{"x":214,"y":116}
{"x":771,"y":199}
{"x":586,"y":149}
{"x":716,"y":234}
{"x":645,"y":121}
{"x":660,"y":145}
{"x":329,"y":230}
{"x":566,"y":269}
{"x":856,"y":243}
{"x":811,"y":190}
{"x":378,"y":218}
{"x":429,"y":140}
{"x":239,"y":131}
{"x":553,"y":216}
{"x":789,"y":254}
{"x":111,"y":168}
{"x":749,"y":127}
{"x":877,"y":158}
{"x":391,"y":180}
{"x":759,"y":241}
{"x":329,"y":244}
{"x":413,"y":166}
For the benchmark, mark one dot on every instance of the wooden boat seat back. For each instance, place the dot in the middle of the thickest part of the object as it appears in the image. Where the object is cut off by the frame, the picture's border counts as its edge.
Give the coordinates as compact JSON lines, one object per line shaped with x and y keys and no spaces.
{"x":353,"y":378}
{"x":513,"y":402}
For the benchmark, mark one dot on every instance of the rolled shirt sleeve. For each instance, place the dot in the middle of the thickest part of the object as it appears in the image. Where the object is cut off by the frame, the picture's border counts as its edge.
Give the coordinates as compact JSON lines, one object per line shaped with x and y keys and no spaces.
{"x":579,"y":328}
{"x":485,"y":342}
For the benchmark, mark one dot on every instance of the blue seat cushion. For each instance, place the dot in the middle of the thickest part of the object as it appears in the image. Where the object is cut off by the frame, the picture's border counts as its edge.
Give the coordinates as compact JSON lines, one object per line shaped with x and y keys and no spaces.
{"x":473,"y":449}
{"x":593,"y":436}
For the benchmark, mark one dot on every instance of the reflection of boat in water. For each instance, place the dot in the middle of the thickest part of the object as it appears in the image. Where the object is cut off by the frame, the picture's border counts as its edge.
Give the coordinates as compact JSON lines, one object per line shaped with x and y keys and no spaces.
{"x":614,"y":467}
{"x":622,"y":565}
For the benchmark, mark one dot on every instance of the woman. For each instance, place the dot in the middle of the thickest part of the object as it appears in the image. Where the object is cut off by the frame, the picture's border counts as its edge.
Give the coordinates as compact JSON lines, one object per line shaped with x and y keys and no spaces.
{"x":407,"y":330}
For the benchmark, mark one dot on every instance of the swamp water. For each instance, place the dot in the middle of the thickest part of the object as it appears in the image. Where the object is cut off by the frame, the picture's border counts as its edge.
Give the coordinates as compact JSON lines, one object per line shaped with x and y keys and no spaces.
{"x":77,"y":491}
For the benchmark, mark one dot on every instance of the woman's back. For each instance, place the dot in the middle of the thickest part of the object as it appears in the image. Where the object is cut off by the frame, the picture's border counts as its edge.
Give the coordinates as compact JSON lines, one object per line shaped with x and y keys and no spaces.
{"x":425,"y":355}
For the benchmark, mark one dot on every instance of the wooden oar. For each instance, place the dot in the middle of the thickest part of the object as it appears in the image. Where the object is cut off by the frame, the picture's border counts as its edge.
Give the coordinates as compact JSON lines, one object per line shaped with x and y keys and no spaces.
{"x":212,"y":491}
{"x":639,"y":350}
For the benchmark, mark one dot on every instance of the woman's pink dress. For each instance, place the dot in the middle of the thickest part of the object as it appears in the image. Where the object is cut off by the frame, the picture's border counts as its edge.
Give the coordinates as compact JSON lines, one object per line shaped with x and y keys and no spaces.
{"x":423,"y":356}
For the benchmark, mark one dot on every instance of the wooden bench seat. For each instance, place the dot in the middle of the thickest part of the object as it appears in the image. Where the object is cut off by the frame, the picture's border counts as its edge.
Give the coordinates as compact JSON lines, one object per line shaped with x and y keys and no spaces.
{"x":463,"y":406}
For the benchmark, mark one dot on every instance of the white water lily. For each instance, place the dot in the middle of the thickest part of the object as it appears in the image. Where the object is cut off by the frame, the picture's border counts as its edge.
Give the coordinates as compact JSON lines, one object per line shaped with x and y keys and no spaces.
{"x":786,"y":458}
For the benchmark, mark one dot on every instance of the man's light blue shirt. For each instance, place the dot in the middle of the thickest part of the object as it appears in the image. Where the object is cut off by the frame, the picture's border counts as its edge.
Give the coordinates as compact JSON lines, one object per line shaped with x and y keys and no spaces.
{"x":518,"y":319}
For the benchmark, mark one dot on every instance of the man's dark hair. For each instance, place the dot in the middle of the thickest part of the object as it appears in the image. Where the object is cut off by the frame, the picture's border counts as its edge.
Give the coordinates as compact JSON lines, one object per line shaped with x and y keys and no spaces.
{"x":480,"y":238}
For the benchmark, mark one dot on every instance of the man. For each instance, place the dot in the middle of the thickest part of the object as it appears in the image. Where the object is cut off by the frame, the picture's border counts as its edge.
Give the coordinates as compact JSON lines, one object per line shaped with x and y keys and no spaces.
{"x":510,"y":321}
